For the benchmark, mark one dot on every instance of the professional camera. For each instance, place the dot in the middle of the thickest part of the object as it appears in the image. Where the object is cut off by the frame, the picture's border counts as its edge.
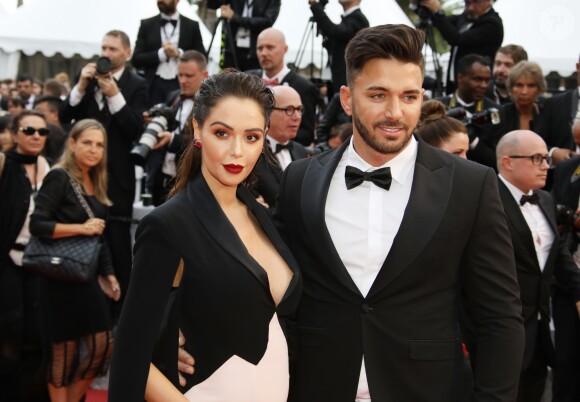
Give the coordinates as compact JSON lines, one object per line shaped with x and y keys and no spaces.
{"x":215,"y":4}
{"x":163,"y":119}
{"x":565,"y":216}
{"x":103,"y":65}
{"x":476,"y":121}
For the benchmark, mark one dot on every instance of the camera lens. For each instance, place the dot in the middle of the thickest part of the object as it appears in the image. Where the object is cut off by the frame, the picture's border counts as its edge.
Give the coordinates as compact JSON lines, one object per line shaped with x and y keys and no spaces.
{"x":104,"y":65}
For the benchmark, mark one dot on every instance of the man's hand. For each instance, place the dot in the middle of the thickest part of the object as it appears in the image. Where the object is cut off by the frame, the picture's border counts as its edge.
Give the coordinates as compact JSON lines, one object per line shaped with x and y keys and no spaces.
{"x":433,"y":5}
{"x":578,"y":308}
{"x":87,"y":74}
{"x":262,"y":201}
{"x":185,"y":361}
{"x":312,"y":2}
{"x":561,"y":154}
{"x":163,"y":138}
{"x":108,"y":85}
{"x":227,"y":12}
{"x":110,"y":286}
{"x":171,"y":50}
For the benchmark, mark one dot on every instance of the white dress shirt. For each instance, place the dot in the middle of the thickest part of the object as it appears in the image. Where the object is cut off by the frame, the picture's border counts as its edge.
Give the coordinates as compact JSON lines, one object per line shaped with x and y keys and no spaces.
{"x":542,"y":233}
{"x":280,"y":76}
{"x":364,"y":221}
{"x":284,"y":158}
{"x":115,"y":103}
{"x":167,"y":68}
{"x":182,"y":114}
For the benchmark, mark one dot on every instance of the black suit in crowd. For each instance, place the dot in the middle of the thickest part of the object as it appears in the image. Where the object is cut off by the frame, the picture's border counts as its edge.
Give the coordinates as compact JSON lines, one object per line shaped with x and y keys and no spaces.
{"x":407,"y":326}
{"x":492,"y":94}
{"x":123,"y":129}
{"x":268,"y":173}
{"x":566,"y":191}
{"x":334,"y":115}
{"x":555,"y":122}
{"x":488,"y":135}
{"x":484,"y":37}
{"x":145,"y":57}
{"x":264,"y":14}
{"x":336,"y":37}
{"x":309,"y":97}
{"x":536,"y":287}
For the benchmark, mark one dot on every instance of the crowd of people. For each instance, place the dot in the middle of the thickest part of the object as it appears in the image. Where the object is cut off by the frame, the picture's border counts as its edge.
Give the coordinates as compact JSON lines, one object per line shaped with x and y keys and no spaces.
{"x":353,"y":241}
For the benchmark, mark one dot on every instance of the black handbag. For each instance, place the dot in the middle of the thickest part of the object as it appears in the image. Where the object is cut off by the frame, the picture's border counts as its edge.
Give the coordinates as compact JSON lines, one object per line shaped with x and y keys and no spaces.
{"x":69,"y":259}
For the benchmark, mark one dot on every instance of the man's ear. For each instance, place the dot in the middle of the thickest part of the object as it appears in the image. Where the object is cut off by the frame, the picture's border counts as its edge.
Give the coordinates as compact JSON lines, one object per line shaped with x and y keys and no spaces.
{"x":346,"y":99}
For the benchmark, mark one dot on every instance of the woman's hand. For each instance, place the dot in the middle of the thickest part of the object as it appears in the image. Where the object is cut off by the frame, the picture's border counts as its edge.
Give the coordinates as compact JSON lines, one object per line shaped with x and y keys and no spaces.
{"x":110,"y":286}
{"x":94,"y":226}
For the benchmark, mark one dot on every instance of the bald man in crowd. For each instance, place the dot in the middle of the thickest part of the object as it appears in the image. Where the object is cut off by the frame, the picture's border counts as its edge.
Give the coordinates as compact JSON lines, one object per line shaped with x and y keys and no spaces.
{"x":541,"y":254}
{"x":270,"y":49}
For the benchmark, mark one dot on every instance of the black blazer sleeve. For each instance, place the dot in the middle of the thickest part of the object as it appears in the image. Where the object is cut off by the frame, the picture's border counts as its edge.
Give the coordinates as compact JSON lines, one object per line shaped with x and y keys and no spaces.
{"x":264,"y":15}
{"x":147,"y":44}
{"x":341,"y":32}
{"x":488,"y":30}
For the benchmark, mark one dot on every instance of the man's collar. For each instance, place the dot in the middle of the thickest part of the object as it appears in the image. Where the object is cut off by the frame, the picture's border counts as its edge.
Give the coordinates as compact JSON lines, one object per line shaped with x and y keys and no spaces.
{"x":462,"y":102}
{"x":516,"y":192}
{"x":350,"y":11}
{"x":118,"y":74}
{"x":281,"y":74}
{"x":175,"y":16}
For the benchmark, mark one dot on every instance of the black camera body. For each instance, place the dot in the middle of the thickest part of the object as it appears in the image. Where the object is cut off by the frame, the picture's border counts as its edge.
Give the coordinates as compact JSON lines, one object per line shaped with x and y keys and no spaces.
{"x":476,"y":121}
{"x":163,"y":119}
{"x":215,"y":4}
{"x":565,"y":216}
{"x":103,"y":65}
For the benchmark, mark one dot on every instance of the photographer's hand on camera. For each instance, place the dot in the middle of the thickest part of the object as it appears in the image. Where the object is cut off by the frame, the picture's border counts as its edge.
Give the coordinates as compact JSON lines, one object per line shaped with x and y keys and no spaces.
{"x":561,"y":154}
{"x":433,"y":5}
{"x":171,"y":50}
{"x":87,"y":74}
{"x":108,"y":85}
{"x":227,"y":12}
{"x":163,"y":138}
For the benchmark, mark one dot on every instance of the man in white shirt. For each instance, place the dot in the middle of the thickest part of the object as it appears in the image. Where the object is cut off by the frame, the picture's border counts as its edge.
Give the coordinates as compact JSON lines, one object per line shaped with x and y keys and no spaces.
{"x":541,"y":254}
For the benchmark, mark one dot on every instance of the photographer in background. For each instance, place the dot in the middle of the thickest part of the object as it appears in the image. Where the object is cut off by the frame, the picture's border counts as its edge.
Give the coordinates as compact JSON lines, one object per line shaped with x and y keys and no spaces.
{"x":117,"y":99}
{"x":469,"y":105}
{"x":191,"y":71}
{"x":247,"y":18}
{"x":337,"y":36}
{"x":479,"y":30}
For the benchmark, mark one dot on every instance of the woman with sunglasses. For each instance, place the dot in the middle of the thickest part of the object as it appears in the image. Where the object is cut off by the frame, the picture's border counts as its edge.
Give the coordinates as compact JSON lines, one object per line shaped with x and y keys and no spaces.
{"x":22,"y":175}
{"x":76,"y":326}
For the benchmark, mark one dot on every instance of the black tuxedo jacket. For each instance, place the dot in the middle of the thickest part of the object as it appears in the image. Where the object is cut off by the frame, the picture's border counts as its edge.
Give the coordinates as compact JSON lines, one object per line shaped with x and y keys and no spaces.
{"x":123,"y":129}
{"x":268,"y":173}
{"x":536,"y":284}
{"x":555,"y":122}
{"x":224,"y":305}
{"x":309,"y":97}
{"x":336,"y":37}
{"x":566,"y":191}
{"x":453,"y":244}
{"x":145,"y":56}
{"x":484,"y":37}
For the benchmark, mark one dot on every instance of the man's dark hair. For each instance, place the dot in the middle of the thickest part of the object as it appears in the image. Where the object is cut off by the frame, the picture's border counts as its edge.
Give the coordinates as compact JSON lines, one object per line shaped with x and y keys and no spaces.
{"x":516,"y":52}
{"x":125,"y":41}
{"x":53,"y":87}
{"x":391,"y":42}
{"x":24,"y":77}
{"x":195,"y":56}
{"x":16,"y":102}
{"x":53,"y":102}
{"x":467,"y":61}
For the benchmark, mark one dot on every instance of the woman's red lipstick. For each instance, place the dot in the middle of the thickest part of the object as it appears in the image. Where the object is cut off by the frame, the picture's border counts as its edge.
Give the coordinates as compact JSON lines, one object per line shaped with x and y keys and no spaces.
{"x":233,"y":168}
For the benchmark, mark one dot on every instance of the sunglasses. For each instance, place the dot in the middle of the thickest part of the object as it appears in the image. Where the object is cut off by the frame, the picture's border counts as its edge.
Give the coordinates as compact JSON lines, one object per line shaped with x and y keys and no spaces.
{"x":43,"y":132}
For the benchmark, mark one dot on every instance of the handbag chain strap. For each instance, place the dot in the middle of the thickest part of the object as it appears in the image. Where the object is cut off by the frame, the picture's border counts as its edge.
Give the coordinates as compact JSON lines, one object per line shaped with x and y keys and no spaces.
{"x":77,"y":190}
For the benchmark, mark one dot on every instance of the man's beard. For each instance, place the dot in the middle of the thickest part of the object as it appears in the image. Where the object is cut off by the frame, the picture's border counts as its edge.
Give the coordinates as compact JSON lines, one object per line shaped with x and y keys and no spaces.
{"x":166,"y":8}
{"x":386,"y":146}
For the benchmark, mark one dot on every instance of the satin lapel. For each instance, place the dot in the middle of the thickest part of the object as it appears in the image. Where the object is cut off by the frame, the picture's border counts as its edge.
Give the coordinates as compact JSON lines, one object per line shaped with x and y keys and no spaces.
{"x":515,"y":216}
{"x":548,"y":212}
{"x":574,"y":105}
{"x":431,"y":183}
{"x":217,"y":225}
{"x":314,"y":193}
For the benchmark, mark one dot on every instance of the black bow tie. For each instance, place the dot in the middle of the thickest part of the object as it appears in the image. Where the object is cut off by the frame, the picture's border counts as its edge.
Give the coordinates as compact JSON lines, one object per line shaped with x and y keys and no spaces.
{"x":380,"y":177}
{"x":532,"y":199}
{"x":280,"y":147}
{"x":184,"y":97}
{"x":167,"y":21}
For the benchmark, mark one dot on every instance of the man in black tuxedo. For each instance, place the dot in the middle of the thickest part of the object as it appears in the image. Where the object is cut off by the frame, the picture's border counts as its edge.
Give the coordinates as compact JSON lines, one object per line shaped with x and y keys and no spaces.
{"x":160,"y":42}
{"x":281,"y":148}
{"x":191,"y":71}
{"x":117,"y":100}
{"x":479,"y":30}
{"x":473,"y":74}
{"x":271,"y":48}
{"x":392,"y":236}
{"x":555,"y":122}
{"x":541,"y":254}
{"x":505,"y":59}
{"x":337,"y":36}
{"x":247,"y":18}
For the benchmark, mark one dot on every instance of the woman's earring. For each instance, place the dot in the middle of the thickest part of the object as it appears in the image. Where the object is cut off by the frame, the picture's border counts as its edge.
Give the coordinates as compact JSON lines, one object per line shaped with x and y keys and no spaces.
{"x":196,"y":143}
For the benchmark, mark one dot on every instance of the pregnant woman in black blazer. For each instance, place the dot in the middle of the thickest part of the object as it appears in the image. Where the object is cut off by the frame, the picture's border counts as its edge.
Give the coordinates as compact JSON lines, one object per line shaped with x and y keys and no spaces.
{"x":239,"y":283}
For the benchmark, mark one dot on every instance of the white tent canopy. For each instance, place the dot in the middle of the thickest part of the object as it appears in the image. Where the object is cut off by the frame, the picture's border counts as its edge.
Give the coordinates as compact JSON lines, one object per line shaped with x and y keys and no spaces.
{"x":548,"y":30}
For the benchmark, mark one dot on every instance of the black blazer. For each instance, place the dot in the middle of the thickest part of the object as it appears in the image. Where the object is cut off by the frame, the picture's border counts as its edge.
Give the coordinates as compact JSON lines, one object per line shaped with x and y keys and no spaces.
{"x":309,"y":97}
{"x":123,"y":129}
{"x":225,"y":304}
{"x":336,"y":37}
{"x":268,"y":173}
{"x":453,"y":243}
{"x":555,"y":122}
{"x":536,"y":284}
{"x":56,"y":202}
{"x":145,"y":56}
{"x":484,"y":37}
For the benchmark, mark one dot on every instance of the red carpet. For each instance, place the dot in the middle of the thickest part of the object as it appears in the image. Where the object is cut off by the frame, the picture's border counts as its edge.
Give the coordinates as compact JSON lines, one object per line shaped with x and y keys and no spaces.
{"x":94,"y":395}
